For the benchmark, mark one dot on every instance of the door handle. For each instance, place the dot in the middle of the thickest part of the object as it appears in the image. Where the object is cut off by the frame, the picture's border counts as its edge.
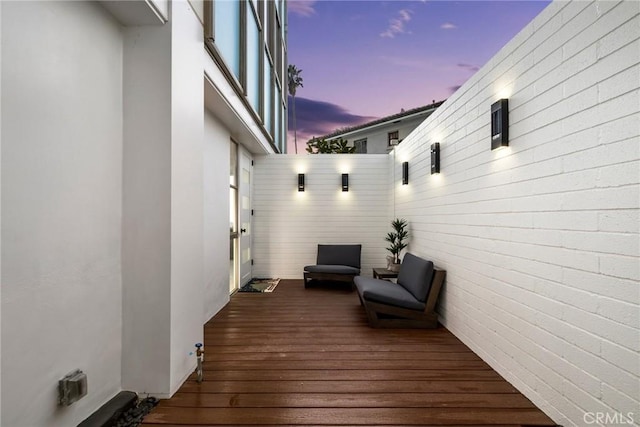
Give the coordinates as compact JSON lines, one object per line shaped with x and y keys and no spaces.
{"x":243,"y":230}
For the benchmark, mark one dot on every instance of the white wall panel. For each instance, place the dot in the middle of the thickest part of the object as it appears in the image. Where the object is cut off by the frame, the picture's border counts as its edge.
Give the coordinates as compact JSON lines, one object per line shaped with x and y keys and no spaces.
{"x":288,"y":225}
{"x":62,"y":148}
{"x":216,"y":216}
{"x":187,"y":209}
{"x":163,"y":202}
{"x":146,"y":231}
{"x":540,"y":239}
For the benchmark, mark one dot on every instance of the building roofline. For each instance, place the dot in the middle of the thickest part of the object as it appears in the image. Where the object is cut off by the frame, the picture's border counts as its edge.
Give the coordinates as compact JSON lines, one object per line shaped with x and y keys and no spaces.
{"x":383,"y":120}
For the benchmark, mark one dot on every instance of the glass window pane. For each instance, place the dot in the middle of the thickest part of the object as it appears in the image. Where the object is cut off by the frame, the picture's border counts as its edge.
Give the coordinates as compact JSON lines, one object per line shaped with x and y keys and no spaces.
{"x":361,"y":146}
{"x":233,"y":155}
{"x":283,"y":66}
{"x":268,"y":102}
{"x":277,"y":118}
{"x":253,"y":60}
{"x":283,"y":123}
{"x":279,"y":54}
{"x":227,"y":32}
{"x":232,"y":264}
{"x":246,"y":255}
{"x":233,"y":210}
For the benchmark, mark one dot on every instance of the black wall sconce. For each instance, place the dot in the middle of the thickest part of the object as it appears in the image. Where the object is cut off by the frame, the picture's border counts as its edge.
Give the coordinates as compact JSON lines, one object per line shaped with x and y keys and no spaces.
{"x":500,"y":124}
{"x":405,"y":173}
{"x":300,"y":182}
{"x":435,"y":158}
{"x":345,"y":182}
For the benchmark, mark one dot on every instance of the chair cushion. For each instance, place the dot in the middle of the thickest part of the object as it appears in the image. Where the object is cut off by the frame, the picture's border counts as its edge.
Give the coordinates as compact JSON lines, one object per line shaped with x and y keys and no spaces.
{"x":339,"y":255}
{"x":333,"y":269}
{"x":386,"y":292}
{"x":415,"y":276}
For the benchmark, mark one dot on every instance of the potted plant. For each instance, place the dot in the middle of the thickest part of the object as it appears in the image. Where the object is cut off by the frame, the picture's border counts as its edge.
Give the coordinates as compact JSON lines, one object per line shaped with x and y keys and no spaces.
{"x":397,"y":242}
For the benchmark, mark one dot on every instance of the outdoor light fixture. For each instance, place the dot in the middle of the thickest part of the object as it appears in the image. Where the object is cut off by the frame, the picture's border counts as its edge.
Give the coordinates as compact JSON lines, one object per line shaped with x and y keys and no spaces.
{"x":300,"y":182}
{"x":435,"y":158}
{"x":500,"y":124}
{"x":345,"y":182}
{"x":405,"y":173}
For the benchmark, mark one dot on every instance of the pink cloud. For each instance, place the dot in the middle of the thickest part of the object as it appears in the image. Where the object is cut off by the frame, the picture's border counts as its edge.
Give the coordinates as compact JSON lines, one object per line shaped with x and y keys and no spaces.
{"x":397,"y":24}
{"x":302,"y":7}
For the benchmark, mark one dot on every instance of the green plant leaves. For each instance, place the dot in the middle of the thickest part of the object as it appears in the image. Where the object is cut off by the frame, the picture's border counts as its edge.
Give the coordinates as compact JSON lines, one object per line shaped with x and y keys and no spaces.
{"x":397,"y":238}
{"x":322,"y":146}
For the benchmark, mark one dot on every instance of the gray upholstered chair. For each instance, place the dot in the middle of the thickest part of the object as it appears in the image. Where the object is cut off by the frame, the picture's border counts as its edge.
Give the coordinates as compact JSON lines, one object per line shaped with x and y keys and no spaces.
{"x":335,"y":263}
{"x":409,"y":303}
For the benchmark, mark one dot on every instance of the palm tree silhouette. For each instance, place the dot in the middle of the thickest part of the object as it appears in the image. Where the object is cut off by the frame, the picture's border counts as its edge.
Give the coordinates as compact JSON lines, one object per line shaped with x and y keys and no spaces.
{"x":295,"y":81}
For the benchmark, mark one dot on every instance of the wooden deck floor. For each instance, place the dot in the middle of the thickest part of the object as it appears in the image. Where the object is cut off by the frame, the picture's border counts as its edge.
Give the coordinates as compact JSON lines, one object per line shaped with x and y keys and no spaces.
{"x":308,"y":357}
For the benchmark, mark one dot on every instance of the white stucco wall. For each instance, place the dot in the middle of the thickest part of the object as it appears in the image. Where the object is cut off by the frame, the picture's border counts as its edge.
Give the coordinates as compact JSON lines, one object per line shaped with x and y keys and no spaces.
{"x":163,"y":202}
{"x":288,"y":225}
{"x":216,"y":216}
{"x":540,"y":240}
{"x":162,"y":6}
{"x":146,"y":231}
{"x":61,"y":208}
{"x":187,"y":148}
{"x":103,"y":204}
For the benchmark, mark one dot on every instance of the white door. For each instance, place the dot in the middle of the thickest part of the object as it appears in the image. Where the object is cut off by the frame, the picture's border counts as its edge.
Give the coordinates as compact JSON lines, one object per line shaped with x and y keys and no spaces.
{"x":244,"y":208}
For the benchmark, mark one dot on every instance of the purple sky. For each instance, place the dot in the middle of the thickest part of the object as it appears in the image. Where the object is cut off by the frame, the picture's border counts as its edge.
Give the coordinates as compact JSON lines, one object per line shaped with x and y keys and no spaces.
{"x":362,"y":60}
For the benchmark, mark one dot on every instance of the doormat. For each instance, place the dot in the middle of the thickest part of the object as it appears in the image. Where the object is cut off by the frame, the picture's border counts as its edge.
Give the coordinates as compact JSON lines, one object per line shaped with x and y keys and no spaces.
{"x":260,"y":285}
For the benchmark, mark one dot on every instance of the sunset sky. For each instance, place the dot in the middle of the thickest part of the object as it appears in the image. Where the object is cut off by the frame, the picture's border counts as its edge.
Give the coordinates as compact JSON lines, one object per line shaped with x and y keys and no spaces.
{"x":363,"y":60}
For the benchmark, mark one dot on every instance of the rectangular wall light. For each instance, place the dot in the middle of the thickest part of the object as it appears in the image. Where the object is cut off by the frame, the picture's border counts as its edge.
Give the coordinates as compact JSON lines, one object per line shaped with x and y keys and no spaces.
{"x":300,"y":182}
{"x":500,"y":124}
{"x":405,"y":173}
{"x":345,"y":182}
{"x":435,"y":158}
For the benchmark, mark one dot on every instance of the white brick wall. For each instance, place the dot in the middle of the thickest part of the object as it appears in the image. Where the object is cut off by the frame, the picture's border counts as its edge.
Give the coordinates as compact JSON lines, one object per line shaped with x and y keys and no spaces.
{"x":288,"y":225}
{"x":540,"y":239}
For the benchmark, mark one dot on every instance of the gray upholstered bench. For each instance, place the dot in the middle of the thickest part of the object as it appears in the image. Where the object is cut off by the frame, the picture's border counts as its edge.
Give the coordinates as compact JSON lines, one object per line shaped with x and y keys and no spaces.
{"x":409,"y":303}
{"x":335,"y":263}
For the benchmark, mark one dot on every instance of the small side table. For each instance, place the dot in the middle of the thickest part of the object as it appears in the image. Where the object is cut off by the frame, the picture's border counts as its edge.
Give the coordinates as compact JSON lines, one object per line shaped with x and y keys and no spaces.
{"x":383,"y":273}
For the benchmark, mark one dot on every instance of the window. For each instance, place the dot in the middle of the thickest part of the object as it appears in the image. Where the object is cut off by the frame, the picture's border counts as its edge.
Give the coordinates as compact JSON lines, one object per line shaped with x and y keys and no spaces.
{"x":233,"y":215}
{"x":227,"y":33}
{"x":247,"y":40}
{"x":268,"y":94}
{"x":283,"y":126}
{"x":361,"y":146}
{"x":279,"y":51}
{"x":393,"y":138}
{"x":253,"y":58}
{"x":276,"y":120}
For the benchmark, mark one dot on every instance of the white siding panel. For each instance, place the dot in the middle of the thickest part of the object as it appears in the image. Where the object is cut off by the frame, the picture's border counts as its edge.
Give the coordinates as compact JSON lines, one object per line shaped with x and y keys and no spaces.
{"x":288,"y":225}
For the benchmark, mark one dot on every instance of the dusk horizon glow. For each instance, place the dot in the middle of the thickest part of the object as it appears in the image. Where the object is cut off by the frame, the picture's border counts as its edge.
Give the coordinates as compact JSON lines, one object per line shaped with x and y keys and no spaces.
{"x":362,"y":60}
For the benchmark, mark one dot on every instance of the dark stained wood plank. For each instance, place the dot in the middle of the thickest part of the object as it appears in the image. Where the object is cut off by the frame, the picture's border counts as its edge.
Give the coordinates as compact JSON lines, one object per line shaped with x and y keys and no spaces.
{"x":355,"y":416}
{"x":349,"y":364}
{"x":351,"y":400}
{"x":352,"y":375}
{"x":357,"y":386}
{"x":301,"y":340}
{"x":319,"y":349}
{"x":308,"y":358}
{"x":324,"y":355}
